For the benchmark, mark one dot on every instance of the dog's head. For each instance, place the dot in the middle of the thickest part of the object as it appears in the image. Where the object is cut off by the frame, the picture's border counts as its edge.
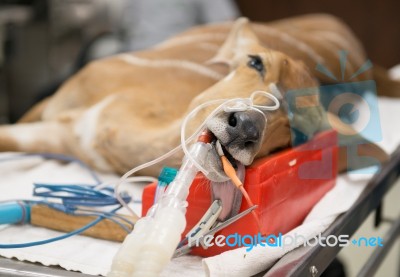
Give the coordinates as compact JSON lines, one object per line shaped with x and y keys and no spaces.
{"x":249,"y":134}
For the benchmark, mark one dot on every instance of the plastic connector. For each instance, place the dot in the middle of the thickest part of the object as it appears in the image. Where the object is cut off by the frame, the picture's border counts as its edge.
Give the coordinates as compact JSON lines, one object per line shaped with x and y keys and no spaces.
{"x":15,"y":212}
{"x":167,"y":175}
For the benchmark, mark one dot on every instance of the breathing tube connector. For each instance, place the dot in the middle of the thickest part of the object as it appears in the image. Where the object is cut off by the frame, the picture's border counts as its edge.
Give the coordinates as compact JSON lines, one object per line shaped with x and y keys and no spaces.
{"x":152,"y":243}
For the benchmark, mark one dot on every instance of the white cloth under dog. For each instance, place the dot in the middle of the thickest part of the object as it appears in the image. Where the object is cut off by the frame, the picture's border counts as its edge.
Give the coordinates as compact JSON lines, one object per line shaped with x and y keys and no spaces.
{"x":93,"y":256}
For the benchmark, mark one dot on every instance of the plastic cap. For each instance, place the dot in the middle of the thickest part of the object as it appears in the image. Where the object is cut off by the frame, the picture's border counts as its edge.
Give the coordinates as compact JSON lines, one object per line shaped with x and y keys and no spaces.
{"x":167,"y":175}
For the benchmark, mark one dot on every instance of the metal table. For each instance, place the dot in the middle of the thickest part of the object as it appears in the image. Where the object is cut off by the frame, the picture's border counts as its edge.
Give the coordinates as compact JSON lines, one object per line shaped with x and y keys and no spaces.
{"x":16,"y":268}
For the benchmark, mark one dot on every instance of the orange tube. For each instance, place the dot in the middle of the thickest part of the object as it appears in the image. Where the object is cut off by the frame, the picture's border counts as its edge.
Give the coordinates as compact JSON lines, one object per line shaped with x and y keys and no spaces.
{"x":231,"y":173}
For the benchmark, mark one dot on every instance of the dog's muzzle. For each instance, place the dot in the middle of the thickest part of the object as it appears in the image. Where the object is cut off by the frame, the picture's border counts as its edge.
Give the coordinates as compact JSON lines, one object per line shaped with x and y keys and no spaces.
{"x":245,"y":129}
{"x":240,"y":133}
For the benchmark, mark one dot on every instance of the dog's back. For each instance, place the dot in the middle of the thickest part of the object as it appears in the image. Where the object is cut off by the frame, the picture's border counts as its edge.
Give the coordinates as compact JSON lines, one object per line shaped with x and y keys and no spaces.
{"x":313,"y":39}
{"x":108,"y":111}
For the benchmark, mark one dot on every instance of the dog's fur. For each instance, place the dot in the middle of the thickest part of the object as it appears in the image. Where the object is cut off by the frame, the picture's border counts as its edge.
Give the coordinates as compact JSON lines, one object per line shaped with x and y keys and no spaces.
{"x":122,"y":111}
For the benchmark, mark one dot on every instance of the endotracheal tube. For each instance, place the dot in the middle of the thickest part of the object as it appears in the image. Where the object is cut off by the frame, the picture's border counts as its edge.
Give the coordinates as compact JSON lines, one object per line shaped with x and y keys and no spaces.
{"x":153,"y":241}
{"x":151,"y":245}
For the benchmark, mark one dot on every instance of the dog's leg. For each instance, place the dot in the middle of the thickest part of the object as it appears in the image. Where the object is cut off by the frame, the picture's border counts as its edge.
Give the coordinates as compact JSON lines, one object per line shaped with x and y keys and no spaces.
{"x":33,"y":137}
{"x":50,"y":137}
{"x":35,"y":113}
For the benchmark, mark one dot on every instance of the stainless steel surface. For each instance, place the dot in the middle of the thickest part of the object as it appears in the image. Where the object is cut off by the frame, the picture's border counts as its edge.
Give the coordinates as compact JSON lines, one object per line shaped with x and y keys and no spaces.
{"x":17,"y":268}
{"x":377,"y":257}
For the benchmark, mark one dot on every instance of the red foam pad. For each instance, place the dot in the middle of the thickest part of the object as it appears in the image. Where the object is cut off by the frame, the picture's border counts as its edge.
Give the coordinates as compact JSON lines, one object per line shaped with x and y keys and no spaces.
{"x":285,"y":186}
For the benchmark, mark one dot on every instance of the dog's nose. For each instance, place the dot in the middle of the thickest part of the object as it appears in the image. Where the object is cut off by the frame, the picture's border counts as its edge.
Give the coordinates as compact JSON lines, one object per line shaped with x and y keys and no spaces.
{"x":246,"y":126}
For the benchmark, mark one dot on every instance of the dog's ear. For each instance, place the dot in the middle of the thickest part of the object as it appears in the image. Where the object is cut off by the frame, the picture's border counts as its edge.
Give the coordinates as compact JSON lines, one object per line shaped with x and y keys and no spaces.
{"x":355,"y":151}
{"x":240,"y":39}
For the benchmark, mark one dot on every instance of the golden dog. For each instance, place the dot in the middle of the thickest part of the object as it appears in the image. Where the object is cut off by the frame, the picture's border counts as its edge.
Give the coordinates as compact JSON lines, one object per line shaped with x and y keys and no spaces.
{"x":125,"y":110}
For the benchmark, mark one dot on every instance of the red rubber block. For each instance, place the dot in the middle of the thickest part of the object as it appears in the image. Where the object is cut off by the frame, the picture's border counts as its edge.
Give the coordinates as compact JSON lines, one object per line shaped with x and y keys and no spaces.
{"x":285,"y":186}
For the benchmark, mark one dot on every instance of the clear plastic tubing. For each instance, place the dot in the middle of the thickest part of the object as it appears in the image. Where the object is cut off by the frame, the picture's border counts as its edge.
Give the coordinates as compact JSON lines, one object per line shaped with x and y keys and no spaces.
{"x":150,"y":246}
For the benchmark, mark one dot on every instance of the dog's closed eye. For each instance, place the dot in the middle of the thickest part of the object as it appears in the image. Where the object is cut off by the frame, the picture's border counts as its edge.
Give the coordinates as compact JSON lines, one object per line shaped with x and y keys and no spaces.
{"x":256,"y":63}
